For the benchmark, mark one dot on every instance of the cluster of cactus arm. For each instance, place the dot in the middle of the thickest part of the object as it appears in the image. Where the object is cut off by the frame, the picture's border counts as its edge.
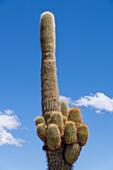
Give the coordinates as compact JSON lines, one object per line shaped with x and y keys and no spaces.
{"x":63,"y":127}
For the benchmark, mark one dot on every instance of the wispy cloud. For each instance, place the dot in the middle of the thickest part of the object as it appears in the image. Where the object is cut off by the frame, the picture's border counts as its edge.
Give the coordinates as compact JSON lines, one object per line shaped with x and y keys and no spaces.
{"x":99,"y":101}
{"x":67,"y":99}
{"x":8,"y":122}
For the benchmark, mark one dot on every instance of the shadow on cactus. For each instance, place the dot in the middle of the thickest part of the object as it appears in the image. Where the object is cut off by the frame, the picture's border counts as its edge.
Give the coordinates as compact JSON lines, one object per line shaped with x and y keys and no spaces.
{"x":59,"y":128}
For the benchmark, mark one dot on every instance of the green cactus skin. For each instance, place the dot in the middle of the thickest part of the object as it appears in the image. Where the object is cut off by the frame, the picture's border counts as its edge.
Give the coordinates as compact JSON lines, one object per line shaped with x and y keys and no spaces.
{"x":64,"y":119}
{"x":82,"y":133}
{"x":70,"y":132}
{"x":56,"y":118}
{"x":53,"y":137}
{"x":39,"y":119}
{"x":47,"y":118}
{"x":58,"y":131}
{"x":72,"y":152}
{"x":41,"y":131}
{"x":75,"y":115}
{"x":64,"y":108}
{"x":56,"y":160}
{"x":49,"y":86}
{"x":47,"y":35}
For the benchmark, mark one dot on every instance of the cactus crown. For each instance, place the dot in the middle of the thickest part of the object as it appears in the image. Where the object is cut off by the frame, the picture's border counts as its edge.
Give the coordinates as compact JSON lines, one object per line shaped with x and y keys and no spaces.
{"x":47,"y":34}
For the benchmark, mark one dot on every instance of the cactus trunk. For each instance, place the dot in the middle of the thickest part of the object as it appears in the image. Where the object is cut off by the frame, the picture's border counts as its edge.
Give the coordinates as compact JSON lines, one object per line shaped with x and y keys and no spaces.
{"x":49,"y":85}
{"x":56,"y":160}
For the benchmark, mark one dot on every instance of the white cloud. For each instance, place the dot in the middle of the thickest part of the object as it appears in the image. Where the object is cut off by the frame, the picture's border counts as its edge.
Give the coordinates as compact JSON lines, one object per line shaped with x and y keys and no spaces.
{"x":67,"y":99}
{"x":99,"y":101}
{"x":8,"y":122}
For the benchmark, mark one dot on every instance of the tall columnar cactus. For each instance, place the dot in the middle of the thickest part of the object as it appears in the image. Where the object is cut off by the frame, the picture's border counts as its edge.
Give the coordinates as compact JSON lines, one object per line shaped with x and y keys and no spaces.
{"x":59,"y":128}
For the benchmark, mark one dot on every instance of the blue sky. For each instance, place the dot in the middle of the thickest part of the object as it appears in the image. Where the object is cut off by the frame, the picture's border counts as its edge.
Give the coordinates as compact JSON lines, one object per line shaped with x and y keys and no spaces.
{"x":84,"y":57}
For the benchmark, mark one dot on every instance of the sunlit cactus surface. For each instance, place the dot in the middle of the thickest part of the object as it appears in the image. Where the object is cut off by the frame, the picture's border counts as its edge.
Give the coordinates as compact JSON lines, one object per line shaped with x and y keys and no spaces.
{"x":59,"y":127}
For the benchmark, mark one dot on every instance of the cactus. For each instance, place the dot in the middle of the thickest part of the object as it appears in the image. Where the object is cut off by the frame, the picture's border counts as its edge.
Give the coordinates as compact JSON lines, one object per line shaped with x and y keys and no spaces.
{"x":64,"y":108}
{"x":72,"y":152}
{"x":59,"y":128}
{"x":70,"y":133}
{"x":41,"y":131}
{"x":49,"y":87}
{"x":53,"y":137}
{"x":57,"y":119}
{"x":82,"y":134}
{"x":75,"y":115}
{"x":39,"y":119}
{"x":64,"y":119}
{"x":47,"y":118}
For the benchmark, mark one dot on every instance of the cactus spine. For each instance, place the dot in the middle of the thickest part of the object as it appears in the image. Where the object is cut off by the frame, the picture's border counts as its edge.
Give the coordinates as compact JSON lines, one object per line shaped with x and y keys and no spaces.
{"x":59,"y":128}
